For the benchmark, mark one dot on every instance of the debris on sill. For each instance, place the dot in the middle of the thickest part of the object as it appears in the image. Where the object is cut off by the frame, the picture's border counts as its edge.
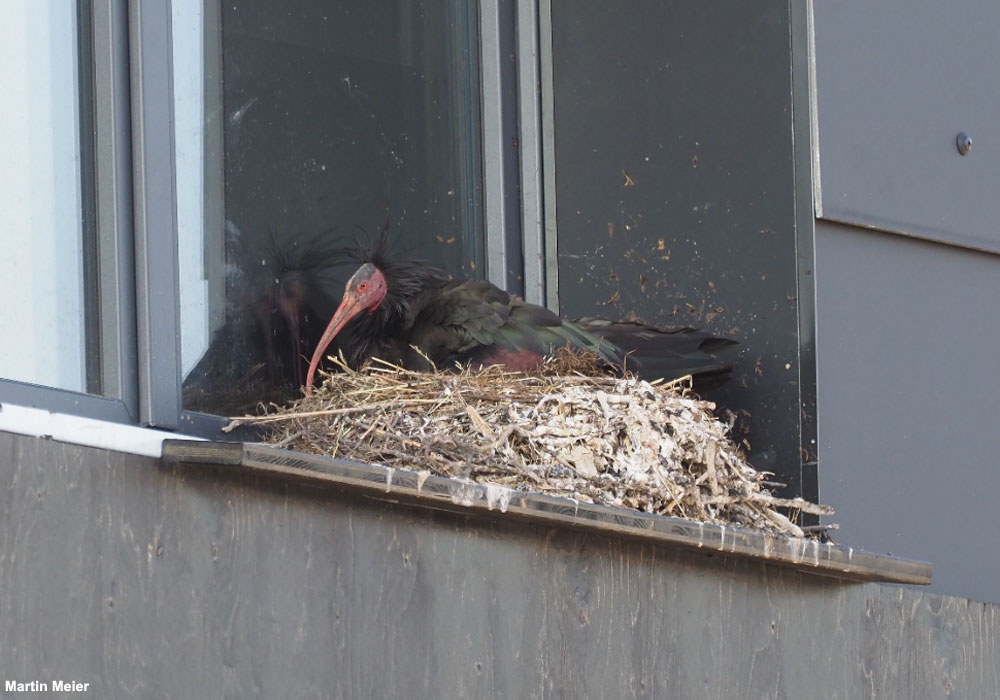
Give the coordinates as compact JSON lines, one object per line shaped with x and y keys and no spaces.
{"x":568,"y":431}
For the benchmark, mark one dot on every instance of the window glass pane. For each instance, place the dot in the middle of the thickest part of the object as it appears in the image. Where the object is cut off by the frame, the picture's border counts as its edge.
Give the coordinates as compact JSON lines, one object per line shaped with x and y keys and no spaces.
{"x":300,"y":125}
{"x":42,"y":281}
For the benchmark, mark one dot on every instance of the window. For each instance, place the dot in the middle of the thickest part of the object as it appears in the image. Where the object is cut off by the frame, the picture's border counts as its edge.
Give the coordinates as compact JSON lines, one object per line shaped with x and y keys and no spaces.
{"x":181,"y":180}
{"x":297,"y":127}
{"x":48,"y":240}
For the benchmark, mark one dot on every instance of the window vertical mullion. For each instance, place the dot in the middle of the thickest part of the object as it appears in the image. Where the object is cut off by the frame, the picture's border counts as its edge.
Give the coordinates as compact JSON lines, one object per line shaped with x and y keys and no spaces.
{"x":530,"y":150}
{"x":494,"y":184}
{"x":214,"y":147}
{"x":157,"y":313}
{"x":95,"y":357}
{"x":501,"y":175}
{"x":548,"y":155}
{"x":113,"y":201}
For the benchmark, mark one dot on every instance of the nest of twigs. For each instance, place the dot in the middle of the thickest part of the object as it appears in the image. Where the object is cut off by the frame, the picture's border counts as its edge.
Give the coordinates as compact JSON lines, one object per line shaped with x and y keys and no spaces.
{"x":570,"y":430}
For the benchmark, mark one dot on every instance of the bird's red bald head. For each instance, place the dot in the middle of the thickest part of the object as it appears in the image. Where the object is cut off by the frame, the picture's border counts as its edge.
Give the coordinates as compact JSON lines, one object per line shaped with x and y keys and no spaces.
{"x":367,"y":286}
{"x":365,"y":291}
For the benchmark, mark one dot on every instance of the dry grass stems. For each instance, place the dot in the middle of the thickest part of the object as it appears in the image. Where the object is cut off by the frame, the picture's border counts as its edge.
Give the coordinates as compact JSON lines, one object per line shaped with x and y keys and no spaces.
{"x":568,"y":431}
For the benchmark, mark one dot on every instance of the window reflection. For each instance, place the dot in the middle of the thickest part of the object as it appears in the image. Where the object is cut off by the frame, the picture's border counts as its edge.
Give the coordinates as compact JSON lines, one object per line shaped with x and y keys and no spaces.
{"x":298,"y":126}
{"x":46,"y":300}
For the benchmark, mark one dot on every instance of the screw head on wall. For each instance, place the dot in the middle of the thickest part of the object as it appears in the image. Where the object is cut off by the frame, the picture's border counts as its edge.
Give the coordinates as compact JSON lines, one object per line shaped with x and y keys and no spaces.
{"x":964,"y":143}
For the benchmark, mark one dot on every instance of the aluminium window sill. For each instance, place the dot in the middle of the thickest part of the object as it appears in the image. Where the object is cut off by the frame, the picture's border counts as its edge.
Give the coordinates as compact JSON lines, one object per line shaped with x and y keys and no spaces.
{"x":425,"y":490}
{"x":79,"y":430}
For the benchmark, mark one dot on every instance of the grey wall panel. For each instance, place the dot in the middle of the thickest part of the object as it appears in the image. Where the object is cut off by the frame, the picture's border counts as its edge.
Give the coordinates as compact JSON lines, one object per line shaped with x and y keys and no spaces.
{"x":150,"y":583}
{"x":909,"y":394}
{"x":896,"y":81}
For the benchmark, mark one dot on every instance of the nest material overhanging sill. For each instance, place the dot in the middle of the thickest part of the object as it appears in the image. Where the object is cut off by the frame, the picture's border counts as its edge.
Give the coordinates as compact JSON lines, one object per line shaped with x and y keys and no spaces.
{"x":421,"y":488}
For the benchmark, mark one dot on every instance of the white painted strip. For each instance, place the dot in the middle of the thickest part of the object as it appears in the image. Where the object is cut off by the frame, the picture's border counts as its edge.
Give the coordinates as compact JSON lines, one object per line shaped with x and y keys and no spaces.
{"x":77,"y":430}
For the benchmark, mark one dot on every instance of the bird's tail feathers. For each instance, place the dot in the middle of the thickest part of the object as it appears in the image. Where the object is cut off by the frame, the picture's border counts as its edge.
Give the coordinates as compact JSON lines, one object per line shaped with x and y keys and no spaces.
{"x":660,"y":353}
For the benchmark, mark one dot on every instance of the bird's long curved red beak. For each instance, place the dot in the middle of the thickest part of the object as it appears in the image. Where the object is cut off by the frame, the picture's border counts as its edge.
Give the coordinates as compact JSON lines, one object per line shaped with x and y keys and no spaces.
{"x":349,"y":307}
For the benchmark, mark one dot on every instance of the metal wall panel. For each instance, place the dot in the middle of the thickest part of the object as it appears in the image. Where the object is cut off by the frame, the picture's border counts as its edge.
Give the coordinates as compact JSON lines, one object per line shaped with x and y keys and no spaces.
{"x":677,"y":194}
{"x":151,"y":583}
{"x":909,"y":393}
{"x":896,"y":82}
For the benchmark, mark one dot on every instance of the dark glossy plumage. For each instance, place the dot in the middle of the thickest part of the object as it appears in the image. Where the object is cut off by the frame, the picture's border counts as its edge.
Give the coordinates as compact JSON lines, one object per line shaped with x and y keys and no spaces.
{"x":427,"y":317}
{"x":280,"y":291}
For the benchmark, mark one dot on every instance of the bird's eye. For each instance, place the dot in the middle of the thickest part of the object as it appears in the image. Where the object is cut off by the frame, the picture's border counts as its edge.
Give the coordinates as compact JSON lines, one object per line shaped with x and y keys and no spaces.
{"x":363,"y":286}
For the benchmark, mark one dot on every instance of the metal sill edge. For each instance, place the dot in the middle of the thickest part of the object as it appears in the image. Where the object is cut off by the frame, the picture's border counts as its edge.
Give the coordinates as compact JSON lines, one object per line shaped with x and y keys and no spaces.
{"x":423,"y":489}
